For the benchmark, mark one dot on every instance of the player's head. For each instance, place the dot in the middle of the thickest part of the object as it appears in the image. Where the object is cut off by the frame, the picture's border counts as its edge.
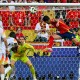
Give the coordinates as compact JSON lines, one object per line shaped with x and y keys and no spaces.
{"x":12,"y":34}
{"x":46,"y":19}
{"x":22,"y":39}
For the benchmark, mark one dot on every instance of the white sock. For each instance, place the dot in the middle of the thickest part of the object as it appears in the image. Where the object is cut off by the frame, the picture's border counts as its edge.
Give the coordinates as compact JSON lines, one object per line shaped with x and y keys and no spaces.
{"x":34,"y":78}
{"x":7,"y":69}
{"x":2,"y":76}
{"x":8,"y":61}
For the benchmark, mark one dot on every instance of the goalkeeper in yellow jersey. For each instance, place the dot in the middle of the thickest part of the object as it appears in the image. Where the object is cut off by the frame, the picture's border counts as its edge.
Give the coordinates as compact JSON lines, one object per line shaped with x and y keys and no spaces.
{"x":20,"y":53}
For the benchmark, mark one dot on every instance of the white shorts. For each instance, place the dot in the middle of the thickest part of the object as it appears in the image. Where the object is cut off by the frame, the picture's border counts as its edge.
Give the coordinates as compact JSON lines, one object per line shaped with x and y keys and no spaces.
{"x":4,"y":59}
{"x":1,"y":54}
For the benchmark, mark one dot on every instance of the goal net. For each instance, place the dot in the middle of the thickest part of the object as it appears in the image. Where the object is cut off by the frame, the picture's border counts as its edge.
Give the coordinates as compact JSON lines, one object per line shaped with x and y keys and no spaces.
{"x":56,"y":59}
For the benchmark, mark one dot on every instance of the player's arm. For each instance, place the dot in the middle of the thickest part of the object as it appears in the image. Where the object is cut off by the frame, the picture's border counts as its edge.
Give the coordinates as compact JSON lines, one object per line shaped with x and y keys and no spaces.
{"x":6,"y":45}
{"x":48,"y":29}
{"x":11,"y":19}
{"x":5,"y":42}
{"x":28,"y":46}
{"x":57,"y":24}
{"x":25,"y":18}
{"x":26,"y":21}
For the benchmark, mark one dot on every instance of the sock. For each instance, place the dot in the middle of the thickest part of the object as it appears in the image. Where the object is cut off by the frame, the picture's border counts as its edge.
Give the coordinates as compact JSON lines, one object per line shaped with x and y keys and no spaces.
{"x":7,"y":69}
{"x":32,"y":71}
{"x":9,"y":72}
{"x":2,"y":76}
{"x":51,"y":42}
{"x":78,"y":44}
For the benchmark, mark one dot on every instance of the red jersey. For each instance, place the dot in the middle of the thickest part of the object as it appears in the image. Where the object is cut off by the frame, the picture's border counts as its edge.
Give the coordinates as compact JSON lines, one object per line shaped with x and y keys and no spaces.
{"x":5,"y":18}
{"x":63,"y":28}
{"x":78,"y":13}
{"x":18,"y":18}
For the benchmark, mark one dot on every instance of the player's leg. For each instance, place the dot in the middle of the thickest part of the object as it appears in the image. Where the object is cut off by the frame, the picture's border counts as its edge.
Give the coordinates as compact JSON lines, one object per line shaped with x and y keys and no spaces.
{"x":13,"y":60}
{"x":28,"y":62}
{"x":72,"y":37}
{"x":2,"y":70}
{"x":31,"y":69}
{"x":57,"y":36}
{"x":10,"y":70}
{"x":76,"y":41}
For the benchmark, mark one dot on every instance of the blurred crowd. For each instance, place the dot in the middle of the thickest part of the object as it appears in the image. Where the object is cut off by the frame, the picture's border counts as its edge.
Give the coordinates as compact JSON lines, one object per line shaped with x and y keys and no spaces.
{"x":40,"y":1}
{"x":21,"y":16}
{"x":13,"y":17}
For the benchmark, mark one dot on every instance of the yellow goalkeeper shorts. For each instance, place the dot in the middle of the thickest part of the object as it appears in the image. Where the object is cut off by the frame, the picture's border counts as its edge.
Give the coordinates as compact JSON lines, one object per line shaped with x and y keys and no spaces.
{"x":24,"y":58}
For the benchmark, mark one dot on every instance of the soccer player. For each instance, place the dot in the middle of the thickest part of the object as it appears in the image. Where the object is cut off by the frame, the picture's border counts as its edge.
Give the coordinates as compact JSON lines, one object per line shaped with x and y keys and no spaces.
{"x":2,"y":51}
{"x":20,"y":53}
{"x":11,"y":40}
{"x":63,"y":29}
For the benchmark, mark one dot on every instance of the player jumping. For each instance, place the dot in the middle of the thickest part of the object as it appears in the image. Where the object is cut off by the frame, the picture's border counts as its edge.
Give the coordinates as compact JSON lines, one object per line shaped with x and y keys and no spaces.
{"x":63,"y":29}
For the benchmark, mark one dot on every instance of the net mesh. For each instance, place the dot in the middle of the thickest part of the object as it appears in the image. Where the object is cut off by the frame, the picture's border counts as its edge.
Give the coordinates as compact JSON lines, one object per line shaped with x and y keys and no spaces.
{"x":62,"y":62}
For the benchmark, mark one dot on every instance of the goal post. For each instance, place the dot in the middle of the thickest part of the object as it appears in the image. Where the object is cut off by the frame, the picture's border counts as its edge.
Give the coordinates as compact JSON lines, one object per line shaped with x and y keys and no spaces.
{"x":39,"y":4}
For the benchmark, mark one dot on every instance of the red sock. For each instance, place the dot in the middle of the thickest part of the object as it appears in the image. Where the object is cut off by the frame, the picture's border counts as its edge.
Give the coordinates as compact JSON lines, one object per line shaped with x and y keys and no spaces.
{"x":51,"y":41}
{"x":78,"y":44}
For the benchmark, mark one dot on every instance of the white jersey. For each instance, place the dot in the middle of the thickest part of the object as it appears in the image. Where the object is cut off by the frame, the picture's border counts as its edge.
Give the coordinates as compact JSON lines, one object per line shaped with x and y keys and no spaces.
{"x":10,"y":42}
{"x":38,"y":27}
{"x":1,"y":24}
{"x":2,"y":35}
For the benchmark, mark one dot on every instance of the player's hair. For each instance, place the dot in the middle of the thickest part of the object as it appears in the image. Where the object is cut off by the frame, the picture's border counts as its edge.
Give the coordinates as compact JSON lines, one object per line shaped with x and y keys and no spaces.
{"x":13,"y":35}
{"x":46,"y":19}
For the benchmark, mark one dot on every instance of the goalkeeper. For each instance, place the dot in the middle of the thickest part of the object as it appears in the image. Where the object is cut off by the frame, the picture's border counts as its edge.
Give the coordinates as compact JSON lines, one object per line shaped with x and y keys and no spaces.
{"x":20,"y":53}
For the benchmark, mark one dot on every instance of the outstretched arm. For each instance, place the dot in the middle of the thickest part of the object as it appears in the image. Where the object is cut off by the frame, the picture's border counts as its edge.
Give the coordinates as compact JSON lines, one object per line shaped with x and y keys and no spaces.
{"x":28,"y":46}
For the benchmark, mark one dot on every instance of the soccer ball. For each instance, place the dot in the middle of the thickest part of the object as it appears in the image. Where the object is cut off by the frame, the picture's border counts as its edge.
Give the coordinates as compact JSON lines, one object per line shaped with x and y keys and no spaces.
{"x":33,"y":9}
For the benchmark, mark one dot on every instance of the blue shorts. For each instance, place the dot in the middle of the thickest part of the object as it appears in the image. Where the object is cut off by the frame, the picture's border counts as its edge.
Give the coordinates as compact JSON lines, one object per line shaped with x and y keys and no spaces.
{"x":68,"y":35}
